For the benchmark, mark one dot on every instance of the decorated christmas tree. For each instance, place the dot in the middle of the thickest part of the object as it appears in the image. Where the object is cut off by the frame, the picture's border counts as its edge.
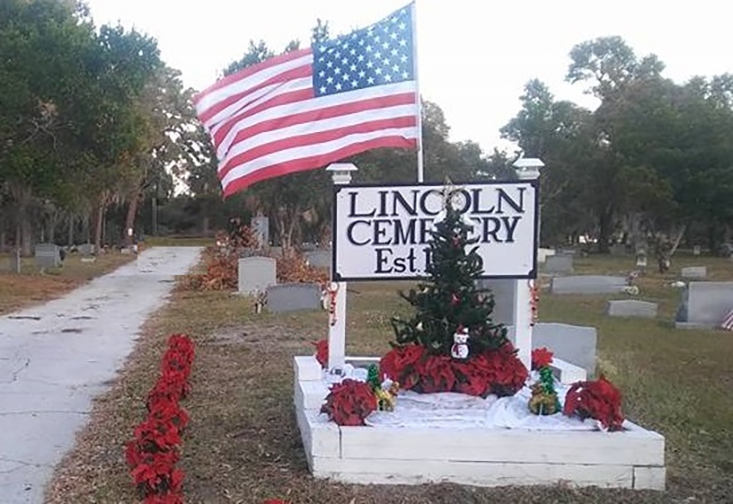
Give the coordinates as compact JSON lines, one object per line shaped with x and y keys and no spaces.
{"x":449,"y":301}
{"x":451,"y":343}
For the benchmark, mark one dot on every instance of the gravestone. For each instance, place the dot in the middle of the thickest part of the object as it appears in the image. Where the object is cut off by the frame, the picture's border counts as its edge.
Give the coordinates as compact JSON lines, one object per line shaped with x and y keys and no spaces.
{"x":571,"y":343}
{"x":293,"y":297}
{"x":696,"y":250}
{"x":588,"y":284}
{"x":48,"y":255}
{"x":705,"y":304}
{"x":86,"y":249}
{"x":559,"y":264}
{"x":319,"y":258}
{"x":694,"y":272}
{"x":632,"y":308}
{"x":15,"y":262}
{"x":641,"y":261}
{"x":255,"y":274}
{"x":276,"y":251}
{"x":617,"y":250}
{"x":261,"y":227}
{"x":503,"y":290}
{"x":543,"y":254}
{"x":248,"y":252}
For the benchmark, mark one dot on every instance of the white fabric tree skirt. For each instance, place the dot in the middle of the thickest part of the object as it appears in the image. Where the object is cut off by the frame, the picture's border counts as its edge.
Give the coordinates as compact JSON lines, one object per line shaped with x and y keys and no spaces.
{"x":450,"y":409}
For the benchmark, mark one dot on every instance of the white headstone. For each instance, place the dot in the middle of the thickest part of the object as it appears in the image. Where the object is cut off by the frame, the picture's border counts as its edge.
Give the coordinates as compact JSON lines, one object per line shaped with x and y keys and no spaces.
{"x":293,"y":297}
{"x":571,"y":343}
{"x":256,"y":274}
{"x":319,"y":258}
{"x":694,"y":272}
{"x":48,"y":255}
{"x":632,"y":308}
{"x":588,"y":284}
{"x":706,"y":304}
{"x":559,"y":264}
{"x":543,"y":254}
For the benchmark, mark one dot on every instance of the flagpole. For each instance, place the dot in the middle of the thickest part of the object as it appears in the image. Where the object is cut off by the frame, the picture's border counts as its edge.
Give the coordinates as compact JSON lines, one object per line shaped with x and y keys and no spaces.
{"x":418,"y":103}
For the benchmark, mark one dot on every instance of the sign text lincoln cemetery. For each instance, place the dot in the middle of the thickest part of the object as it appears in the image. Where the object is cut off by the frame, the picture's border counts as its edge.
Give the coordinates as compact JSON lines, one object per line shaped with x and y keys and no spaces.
{"x":383,"y":232}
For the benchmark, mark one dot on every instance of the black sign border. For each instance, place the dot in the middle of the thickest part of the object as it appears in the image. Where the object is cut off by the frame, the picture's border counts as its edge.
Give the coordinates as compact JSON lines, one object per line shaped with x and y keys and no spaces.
{"x":337,"y":277}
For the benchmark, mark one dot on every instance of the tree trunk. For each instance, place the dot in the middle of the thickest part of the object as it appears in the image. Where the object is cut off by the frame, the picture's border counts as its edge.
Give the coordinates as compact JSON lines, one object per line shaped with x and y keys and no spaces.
{"x":86,"y":229}
{"x":154,"y":216}
{"x":678,"y":239}
{"x":130,"y":219}
{"x":70,"y":238}
{"x":3,"y":238}
{"x":605,"y":230}
{"x":97,"y":221}
{"x":51,"y":227}
{"x":24,"y":220}
{"x":291,"y":228}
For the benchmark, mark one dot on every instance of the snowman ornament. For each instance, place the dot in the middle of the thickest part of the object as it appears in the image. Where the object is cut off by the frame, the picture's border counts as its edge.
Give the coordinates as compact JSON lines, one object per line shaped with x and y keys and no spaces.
{"x":459,"y":350}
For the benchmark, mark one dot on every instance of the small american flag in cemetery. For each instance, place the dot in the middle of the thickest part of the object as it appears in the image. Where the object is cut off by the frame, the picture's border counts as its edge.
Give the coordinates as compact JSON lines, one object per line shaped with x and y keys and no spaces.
{"x":308,"y":108}
{"x":728,"y":321}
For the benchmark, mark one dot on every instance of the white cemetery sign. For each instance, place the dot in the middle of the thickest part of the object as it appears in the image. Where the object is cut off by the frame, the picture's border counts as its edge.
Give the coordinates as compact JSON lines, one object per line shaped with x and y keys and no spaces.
{"x":383,"y":232}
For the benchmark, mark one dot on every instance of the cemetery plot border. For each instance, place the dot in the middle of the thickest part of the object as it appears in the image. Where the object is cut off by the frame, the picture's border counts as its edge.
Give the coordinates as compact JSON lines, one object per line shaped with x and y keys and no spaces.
{"x":480,"y":457}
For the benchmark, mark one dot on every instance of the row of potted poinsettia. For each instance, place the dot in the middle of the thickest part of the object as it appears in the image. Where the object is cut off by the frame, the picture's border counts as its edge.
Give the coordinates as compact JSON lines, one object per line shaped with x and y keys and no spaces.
{"x":155,"y":450}
{"x":497,"y":372}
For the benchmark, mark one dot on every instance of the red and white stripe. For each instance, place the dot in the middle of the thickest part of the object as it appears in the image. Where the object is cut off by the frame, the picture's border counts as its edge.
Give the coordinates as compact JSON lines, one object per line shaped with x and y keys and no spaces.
{"x":266,"y":121}
{"x":728,"y":321}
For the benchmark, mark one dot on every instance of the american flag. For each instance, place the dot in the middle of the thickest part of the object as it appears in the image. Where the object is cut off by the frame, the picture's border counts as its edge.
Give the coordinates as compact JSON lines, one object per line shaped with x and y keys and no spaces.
{"x":308,"y":108}
{"x":728,"y":321}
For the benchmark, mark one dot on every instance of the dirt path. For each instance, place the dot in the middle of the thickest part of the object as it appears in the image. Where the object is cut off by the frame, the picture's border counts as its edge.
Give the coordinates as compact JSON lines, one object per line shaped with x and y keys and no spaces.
{"x":56,"y":357}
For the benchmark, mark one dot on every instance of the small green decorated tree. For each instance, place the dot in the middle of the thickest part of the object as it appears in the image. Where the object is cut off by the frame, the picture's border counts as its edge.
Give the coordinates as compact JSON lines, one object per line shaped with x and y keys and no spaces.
{"x":451,"y":344}
{"x":450,"y":300}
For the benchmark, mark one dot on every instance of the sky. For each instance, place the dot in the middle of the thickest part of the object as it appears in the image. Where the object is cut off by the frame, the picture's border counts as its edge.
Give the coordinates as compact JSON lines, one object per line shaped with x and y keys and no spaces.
{"x":474,"y":56}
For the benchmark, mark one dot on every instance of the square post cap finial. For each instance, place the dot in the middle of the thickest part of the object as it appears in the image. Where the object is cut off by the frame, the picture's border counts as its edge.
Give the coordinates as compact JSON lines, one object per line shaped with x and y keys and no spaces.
{"x":528,"y":168}
{"x":341,"y":172}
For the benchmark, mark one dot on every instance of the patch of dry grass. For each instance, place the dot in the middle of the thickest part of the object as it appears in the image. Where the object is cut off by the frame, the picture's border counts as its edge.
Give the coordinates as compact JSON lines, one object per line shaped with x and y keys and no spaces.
{"x":33,"y":286}
{"x":243,"y":445}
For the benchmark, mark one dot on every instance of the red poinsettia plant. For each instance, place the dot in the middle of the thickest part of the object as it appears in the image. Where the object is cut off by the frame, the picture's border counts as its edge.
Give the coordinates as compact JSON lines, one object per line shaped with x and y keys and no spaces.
{"x":322,"y":352}
{"x":350,"y":402}
{"x":153,"y":453}
{"x":496,"y":371}
{"x":541,"y":357}
{"x":598,"y":399}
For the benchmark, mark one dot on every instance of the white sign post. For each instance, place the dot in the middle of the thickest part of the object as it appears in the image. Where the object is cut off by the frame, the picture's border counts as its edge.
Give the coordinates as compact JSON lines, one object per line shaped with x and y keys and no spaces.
{"x":527,"y":169}
{"x":337,"y":292}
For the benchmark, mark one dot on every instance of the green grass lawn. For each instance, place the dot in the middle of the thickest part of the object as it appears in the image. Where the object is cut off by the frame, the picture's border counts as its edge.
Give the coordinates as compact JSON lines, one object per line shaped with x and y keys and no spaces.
{"x":243,"y":444}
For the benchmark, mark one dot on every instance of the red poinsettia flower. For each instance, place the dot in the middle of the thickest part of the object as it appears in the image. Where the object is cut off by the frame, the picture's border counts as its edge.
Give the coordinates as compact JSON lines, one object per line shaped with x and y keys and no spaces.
{"x":399,"y":364}
{"x":599,"y":400}
{"x":541,"y":357}
{"x":322,"y":352}
{"x":471,"y":378}
{"x":436,"y":374}
{"x":168,"y":498}
{"x":350,"y":402}
{"x":505,"y":373}
{"x":275,"y":501}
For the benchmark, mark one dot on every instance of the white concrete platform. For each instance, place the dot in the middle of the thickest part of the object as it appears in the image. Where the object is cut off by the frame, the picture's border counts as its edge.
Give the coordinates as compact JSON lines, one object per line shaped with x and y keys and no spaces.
{"x":480,"y":457}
